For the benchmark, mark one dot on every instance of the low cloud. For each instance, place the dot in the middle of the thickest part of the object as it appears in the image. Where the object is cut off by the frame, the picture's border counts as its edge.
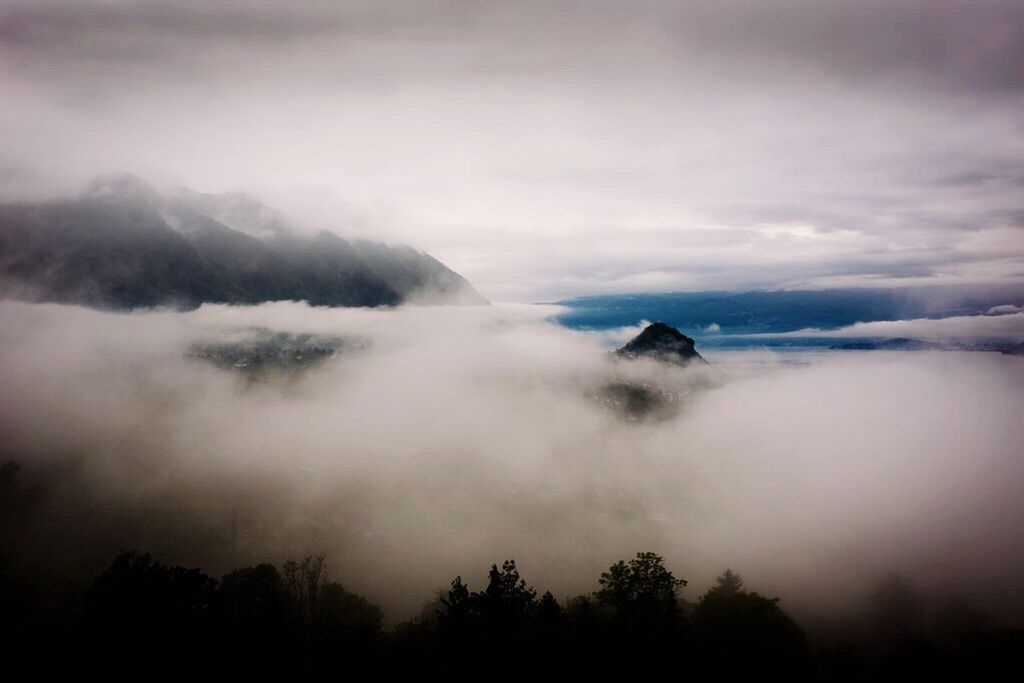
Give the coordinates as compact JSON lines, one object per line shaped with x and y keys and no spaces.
{"x":462,"y":436}
{"x":1005,"y":309}
{"x":1006,"y":323}
{"x":618,"y":336}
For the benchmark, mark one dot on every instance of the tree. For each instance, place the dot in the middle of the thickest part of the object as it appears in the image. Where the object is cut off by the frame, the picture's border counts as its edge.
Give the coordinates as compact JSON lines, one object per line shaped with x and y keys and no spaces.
{"x":302,"y":582}
{"x":740,"y":634}
{"x":728,"y":583}
{"x":644,"y":580}
{"x":897,"y":610}
{"x":348,"y":616}
{"x":141,"y":607}
{"x":253,"y":599}
{"x":549,"y":612}
{"x":252,"y":607}
{"x":482,"y":627}
{"x":455,"y":611}
{"x":646,"y":622}
{"x":346,"y":631}
{"x":507,"y":601}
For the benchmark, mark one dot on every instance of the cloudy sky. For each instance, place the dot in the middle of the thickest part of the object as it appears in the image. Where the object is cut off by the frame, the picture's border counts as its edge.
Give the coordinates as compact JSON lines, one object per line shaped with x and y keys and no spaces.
{"x":548,"y":149}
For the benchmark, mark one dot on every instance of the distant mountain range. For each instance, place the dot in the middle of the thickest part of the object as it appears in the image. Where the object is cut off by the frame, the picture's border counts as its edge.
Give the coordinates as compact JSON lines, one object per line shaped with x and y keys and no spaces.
{"x":122,"y":245}
{"x":713,"y":317}
{"x":1008,"y":348}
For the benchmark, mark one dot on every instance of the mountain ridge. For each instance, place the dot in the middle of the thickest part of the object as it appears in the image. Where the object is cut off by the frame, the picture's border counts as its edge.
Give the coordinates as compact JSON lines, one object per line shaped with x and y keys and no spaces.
{"x":123,"y":245}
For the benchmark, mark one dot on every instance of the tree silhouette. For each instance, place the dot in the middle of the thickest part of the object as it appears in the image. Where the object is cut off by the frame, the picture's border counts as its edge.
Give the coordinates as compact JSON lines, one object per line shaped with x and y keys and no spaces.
{"x":348,"y":616}
{"x":643,"y":580}
{"x":138,"y":606}
{"x":549,"y":612}
{"x":346,"y":631}
{"x":455,"y":612}
{"x":646,"y":623}
{"x":728,"y":583}
{"x":252,"y":597}
{"x":253,"y":609}
{"x":740,"y":634}
{"x":482,"y":626}
{"x":899,"y":635}
{"x":507,"y":600}
{"x":259,"y":621}
{"x":897,"y":611}
{"x":302,"y":582}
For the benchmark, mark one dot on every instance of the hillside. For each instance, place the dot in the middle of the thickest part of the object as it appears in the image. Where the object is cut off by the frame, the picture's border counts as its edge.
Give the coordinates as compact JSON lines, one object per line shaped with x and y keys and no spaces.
{"x":122,"y":245}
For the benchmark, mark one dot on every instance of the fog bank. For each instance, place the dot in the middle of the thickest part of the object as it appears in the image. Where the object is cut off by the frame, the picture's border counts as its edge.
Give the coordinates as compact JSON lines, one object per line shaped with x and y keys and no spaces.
{"x":454,"y":437}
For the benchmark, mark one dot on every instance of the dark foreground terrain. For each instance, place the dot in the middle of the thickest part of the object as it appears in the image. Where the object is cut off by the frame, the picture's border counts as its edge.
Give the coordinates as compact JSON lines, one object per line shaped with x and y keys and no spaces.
{"x":145,"y":619}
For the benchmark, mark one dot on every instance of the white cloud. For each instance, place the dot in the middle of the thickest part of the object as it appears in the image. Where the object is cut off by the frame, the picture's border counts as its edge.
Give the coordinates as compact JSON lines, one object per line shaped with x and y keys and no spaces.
{"x":618,"y":336}
{"x":1009,"y":325}
{"x":1005,"y":309}
{"x":463,"y":436}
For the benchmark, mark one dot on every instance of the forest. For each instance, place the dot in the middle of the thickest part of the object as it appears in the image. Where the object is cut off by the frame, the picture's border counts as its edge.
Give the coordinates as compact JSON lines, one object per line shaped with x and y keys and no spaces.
{"x":141,"y":617}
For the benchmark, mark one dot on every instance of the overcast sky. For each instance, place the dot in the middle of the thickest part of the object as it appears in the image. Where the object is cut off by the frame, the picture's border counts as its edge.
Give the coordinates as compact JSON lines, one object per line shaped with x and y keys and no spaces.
{"x":547,"y":149}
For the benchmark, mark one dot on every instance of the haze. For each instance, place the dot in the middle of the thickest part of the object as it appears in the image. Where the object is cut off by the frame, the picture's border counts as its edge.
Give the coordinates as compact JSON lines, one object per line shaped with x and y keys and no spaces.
{"x":548,"y":149}
{"x":460,"y":436}
{"x":634,"y":293}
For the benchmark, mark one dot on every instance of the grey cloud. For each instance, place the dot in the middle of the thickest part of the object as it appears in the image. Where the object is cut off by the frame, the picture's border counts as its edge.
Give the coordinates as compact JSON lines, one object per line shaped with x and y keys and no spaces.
{"x":687,"y":135}
{"x":462,"y":435}
{"x":968,"y":46}
{"x":1001,"y":322}
{"x":966,"y":178}
{"x":83,"y":26}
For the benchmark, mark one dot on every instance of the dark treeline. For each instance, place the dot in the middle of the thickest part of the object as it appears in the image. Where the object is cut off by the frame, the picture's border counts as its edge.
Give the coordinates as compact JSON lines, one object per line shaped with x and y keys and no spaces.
{"x":140,"y":617}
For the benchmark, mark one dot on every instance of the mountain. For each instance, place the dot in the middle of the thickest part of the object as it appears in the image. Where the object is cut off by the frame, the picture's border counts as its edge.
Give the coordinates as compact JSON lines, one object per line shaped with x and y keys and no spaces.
{"x":1006,"y":347}
{"x":122,"y":245}
{"x":662,"y":342}
{"x":894,"y":344}
{"x":772,"y":311}
{"x":642,"y":401}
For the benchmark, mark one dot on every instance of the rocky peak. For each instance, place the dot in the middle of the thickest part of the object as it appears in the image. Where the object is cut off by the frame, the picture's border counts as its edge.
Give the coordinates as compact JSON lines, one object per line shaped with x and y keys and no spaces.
{"x":662,"y":342}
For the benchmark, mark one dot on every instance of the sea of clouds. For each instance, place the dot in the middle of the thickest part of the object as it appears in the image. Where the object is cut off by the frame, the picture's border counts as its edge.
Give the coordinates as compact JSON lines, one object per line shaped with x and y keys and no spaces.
{"x":459,"y":436}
